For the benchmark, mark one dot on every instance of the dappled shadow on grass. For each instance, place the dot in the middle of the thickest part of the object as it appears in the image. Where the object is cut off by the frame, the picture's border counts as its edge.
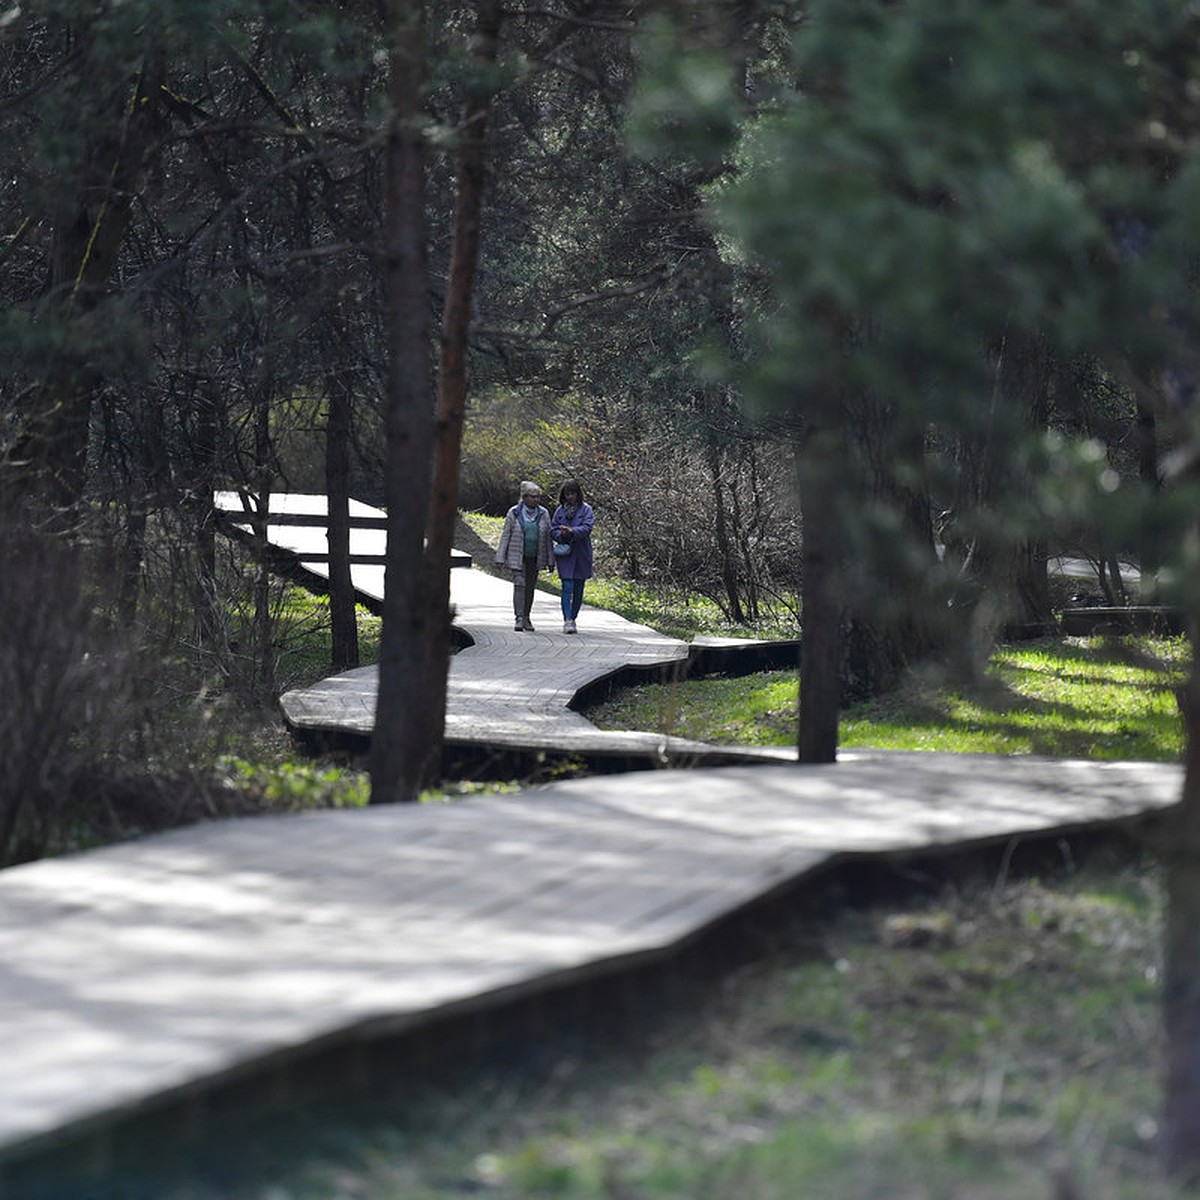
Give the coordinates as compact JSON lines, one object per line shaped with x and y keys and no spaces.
{"x":1106,"y":699}
{"x":994,"y":719}
{"x":1017,"y":725}
{"x":1004,"y":736}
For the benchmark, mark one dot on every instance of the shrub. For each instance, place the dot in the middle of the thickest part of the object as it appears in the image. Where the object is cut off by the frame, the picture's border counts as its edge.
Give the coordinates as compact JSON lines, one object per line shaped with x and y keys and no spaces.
{"x":63,"y":674}
{"x":508,"y":439}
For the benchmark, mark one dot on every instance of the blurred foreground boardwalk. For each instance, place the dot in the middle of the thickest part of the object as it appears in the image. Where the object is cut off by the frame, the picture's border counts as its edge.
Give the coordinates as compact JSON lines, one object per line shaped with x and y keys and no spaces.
{"x":155,"y":970}
{"x":152,"y":970}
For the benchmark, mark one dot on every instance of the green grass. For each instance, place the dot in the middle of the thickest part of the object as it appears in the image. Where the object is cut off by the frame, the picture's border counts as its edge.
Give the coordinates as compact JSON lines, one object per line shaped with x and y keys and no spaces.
{"x":681,"y":615}
{"x":1074,"y":698}
{"x":303,"y":636}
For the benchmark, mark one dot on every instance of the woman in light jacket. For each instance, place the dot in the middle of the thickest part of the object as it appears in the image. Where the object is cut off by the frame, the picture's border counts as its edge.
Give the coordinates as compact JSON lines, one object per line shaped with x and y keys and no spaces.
{"x":525,"y":549}
{"x":572,"y":528}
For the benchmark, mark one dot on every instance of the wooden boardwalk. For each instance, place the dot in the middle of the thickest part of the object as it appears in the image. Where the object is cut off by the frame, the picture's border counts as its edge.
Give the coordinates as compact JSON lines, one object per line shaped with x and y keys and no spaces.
{"x":156,"y":969}
{"x":297,"y":531}
{"x":512,"y":691}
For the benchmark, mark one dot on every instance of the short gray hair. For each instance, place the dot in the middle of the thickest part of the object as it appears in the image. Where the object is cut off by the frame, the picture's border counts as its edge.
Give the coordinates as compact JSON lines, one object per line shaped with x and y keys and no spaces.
{"x":528,"y":486}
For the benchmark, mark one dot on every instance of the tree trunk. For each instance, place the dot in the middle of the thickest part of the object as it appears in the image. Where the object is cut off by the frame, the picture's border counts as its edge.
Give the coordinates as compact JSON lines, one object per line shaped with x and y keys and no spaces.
{"x":725,"y":550}
{"x":452,"y":374}
{"x":1181,"y":977}
{"x":402,"y":756}
{"x":343,"y":612}
{"x":264,"y":683}
{"x":822,"y":460}
{"x":821,"y":608}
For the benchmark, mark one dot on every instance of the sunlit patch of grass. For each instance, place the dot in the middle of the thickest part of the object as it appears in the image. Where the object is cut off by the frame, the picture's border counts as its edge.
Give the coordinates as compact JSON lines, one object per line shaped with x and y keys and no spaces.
{"x":1081,"y":698}
{"x":1078,"y":698}
{"x":754,"y":710}
{"x":488,"y":528}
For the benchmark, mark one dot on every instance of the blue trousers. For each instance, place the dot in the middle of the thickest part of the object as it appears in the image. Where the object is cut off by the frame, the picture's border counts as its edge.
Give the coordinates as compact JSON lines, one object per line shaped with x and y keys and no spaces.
{"x":572,"y":598}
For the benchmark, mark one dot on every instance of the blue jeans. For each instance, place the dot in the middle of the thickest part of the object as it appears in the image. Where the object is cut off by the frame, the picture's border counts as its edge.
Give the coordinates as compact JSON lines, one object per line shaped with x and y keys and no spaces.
{"x":572,"y":598}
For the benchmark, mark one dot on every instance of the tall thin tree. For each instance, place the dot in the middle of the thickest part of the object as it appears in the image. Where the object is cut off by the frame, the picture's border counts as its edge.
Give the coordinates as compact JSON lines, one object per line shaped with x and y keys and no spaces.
{"x":401,"y":755}
{"x":452,"y":374}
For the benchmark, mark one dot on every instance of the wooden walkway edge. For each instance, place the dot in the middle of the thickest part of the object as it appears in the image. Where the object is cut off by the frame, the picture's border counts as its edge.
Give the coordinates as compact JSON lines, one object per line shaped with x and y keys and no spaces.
{"x":297,"y":534}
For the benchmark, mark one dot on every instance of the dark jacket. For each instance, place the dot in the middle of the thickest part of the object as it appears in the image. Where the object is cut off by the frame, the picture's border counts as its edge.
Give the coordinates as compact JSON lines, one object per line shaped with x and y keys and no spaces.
{"x":577,"y":563}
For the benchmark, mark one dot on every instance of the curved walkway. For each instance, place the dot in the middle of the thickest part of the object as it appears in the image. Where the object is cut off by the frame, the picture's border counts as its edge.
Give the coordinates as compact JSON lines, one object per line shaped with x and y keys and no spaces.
{"x":156,"y":969}
{"x":513,"y":690}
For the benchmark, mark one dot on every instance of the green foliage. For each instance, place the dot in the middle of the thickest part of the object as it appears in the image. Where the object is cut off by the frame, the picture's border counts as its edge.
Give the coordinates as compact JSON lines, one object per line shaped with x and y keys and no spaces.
{"x":510,"y":437}
{"x":952,"y":186}
{"x":294,"y":787}
{"x":455,"y":790}
{"x":1082,"y":698}
{"x":297,"y":424}
{"x":946,"y":174}
{"x":303,"y":636}
{"x":684,"y":105}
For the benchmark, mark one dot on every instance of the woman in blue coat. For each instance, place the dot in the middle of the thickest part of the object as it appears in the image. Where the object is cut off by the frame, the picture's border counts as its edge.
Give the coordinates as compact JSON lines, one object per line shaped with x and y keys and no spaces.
{"x":571,"y":528}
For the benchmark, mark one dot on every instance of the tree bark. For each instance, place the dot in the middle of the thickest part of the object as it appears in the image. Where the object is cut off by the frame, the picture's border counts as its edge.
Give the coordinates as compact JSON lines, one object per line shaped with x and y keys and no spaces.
{"x":1181,"y":974}
{"x":453,"y":364}
{"x":343,"y":612}
{"x":821,"y":608}
{"x":402,"y":756}
{"x":823,"y":458}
